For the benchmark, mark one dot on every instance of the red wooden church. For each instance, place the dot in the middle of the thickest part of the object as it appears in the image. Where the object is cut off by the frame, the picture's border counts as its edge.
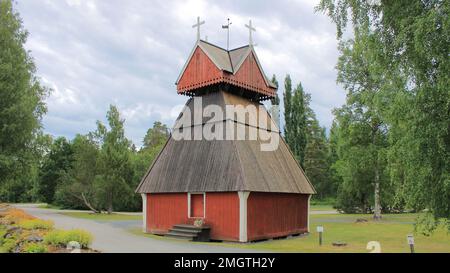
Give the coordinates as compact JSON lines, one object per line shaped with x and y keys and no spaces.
{"x":239,"y":191}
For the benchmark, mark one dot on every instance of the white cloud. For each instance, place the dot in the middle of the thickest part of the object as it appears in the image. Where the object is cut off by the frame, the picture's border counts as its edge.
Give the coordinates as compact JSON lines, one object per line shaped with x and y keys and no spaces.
{"x":129,"y":53}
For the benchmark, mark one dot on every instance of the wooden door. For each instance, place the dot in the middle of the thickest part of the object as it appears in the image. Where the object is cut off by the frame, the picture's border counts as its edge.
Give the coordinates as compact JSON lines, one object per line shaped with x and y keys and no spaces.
{"x":197,"y":206}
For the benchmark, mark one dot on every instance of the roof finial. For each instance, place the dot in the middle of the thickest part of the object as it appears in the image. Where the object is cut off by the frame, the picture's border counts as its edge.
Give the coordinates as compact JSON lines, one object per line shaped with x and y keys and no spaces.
{"x":199,"y":23}
{"x":227,"y":26}
{"x":250,"y":29}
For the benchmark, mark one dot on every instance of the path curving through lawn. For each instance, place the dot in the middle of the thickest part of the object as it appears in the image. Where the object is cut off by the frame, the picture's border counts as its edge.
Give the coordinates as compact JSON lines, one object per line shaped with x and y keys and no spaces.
{"x":114,"y":238}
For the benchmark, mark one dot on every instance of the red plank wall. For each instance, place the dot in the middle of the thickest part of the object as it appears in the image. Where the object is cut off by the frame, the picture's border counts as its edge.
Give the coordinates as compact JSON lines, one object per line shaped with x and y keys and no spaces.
{"x":276,"y":214}
{"x":249,"y":76}
{"x":164,"y":210}
{"x":222,"y":213}
{"x":199,"y":72}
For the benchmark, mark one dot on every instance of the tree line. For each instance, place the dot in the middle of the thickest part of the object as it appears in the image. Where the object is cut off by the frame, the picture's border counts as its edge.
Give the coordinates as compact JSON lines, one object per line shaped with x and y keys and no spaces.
{"x":388,"y":147}
{"x":98,"y":171}
{"x":386,"y":151}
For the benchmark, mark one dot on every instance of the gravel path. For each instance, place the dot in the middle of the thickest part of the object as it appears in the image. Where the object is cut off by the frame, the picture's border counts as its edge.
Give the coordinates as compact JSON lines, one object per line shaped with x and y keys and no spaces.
{"x":113,"y":237}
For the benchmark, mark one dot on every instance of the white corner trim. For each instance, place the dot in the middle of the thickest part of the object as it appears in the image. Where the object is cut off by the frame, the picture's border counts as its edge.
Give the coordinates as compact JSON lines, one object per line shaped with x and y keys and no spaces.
{"x":309,"y":210}
{"x":243,"y":196}
{"x":144,"y":212}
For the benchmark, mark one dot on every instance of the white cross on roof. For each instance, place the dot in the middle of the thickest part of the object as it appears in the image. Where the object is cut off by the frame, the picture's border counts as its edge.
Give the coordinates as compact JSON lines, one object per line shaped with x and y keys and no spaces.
{"x":199,"y":23}
{"x":250,"y":29}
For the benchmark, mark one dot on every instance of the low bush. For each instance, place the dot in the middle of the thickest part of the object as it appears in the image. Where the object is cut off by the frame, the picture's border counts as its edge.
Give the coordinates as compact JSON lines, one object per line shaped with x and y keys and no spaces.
{"x":35,"y":248}
{"x":2,"y":235}
{"x":36,"y":224}
{"x":8,"y":245}
{"x":63,"y":237}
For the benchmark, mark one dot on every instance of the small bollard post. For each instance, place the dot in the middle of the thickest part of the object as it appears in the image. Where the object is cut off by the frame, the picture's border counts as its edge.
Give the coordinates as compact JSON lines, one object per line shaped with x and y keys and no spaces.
{"x":320,"y":231}
{"x":410,"y":239}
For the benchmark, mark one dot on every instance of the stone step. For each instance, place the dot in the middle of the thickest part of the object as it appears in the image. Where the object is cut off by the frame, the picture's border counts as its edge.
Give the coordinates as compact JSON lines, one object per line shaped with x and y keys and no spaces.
{"x":179,"y":235}
{"x":189,"y":232}
{"x":185,"y":230}
{"x":191,"y":227}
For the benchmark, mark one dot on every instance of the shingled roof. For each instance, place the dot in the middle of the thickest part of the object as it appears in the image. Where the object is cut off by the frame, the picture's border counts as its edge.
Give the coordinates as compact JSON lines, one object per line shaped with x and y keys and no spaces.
{"x":224,"y":165}
{"x":226,"y":60}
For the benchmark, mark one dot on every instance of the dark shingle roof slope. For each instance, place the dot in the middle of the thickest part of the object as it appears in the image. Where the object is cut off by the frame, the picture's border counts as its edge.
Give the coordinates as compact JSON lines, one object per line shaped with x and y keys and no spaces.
{"x":224,"y":165}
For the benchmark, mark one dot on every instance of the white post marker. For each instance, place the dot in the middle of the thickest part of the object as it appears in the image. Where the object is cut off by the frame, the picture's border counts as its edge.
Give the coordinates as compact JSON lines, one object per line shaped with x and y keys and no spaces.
{"x":410,"y":239}
{"x":374,"y":246}
{"x":320,"y":231}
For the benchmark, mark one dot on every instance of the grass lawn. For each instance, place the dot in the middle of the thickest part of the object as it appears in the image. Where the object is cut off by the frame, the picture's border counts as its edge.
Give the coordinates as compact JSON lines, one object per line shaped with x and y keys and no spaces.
{"x":48,"y":206}
{"x":391,"y":232}
{"x":322,"y":208}
{"x":102,"y":217}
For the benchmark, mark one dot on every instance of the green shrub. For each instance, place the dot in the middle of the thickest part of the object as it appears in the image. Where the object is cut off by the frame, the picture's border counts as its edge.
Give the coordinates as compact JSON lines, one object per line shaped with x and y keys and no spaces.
{"x":63,"y":237}
{"x":35,"y":248}
{"x":2,"y":235}
{"x":8,"y":245}
{"x":36,"y":224}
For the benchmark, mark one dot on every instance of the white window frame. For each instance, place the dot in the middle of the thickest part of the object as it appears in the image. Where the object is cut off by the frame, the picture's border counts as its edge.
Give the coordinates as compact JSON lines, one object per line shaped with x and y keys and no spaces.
{"x":189,"y":204}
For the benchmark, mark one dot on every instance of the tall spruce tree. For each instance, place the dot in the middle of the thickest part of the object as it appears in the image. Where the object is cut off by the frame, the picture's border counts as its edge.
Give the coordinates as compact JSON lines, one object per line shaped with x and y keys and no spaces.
{"x":156,"y":136}
{"x":287,"y":100}
{"x":299,"y":124}
{"x":316,"y":161}
{"x":21,"y":106}
{"x":55,"y":166}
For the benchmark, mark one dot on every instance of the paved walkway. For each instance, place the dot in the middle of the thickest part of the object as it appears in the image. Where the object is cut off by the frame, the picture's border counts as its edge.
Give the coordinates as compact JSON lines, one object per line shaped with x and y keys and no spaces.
{"x":110,"y":237}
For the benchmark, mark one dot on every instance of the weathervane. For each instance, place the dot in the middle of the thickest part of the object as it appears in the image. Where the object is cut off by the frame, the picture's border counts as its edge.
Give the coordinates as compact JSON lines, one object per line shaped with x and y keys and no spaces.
{"x":250,"y":29}
{"x":227,"y":26}
{"x":199,"y":23}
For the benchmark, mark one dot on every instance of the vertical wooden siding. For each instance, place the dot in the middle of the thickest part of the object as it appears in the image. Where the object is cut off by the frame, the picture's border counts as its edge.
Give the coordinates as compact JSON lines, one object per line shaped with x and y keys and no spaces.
{"x":165,"y":210}
{"x":222,"y":213}
{"x":250,"y":76}
{"x":200,"y":71}
{"x":276,"y":214}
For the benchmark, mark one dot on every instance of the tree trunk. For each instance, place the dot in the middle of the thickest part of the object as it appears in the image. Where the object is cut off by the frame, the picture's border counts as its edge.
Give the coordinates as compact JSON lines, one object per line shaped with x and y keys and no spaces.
{"x":377,"y":199}
{"x":86,"y":202}
{"x":377,"y":209}
{"x":110,"y":203}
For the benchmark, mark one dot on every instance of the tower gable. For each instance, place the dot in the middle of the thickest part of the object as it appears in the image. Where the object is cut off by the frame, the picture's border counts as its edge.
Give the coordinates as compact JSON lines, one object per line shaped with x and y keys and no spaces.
{"x":249,"y":75}
{"x":239,"y":68}
{"x":200,"y":71}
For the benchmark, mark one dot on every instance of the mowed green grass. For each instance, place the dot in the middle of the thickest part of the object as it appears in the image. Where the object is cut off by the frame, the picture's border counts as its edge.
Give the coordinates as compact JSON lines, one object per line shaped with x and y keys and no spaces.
{"x":322,"y":208}
{"x":103,"y":216}
{"x":390,"y":232}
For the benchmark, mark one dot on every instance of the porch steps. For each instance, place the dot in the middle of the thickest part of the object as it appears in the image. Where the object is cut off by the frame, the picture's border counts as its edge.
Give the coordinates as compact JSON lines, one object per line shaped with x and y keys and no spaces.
{"x":189,"y":232}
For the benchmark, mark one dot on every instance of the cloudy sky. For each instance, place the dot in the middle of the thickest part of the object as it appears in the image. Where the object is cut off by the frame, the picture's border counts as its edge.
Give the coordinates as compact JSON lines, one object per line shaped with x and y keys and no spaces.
{"x":94,"y":53}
